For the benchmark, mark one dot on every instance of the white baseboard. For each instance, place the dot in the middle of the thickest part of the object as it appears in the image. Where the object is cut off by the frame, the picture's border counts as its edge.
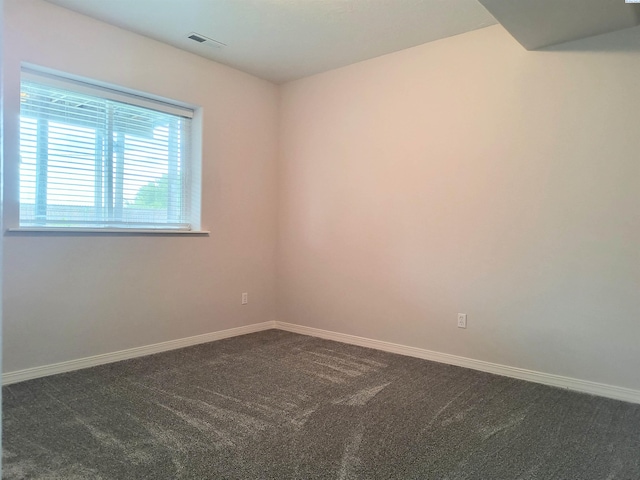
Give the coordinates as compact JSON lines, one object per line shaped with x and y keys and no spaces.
{"x":46,"y":370}
{"x":585,"y":386}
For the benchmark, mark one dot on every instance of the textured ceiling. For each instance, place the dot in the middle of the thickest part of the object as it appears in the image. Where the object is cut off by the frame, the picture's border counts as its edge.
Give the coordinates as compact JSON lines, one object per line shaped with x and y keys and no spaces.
{"x":282,"y":40}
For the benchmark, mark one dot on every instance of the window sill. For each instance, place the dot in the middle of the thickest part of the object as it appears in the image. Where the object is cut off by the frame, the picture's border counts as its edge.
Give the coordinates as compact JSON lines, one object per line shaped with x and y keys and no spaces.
{"x":105,"y":231}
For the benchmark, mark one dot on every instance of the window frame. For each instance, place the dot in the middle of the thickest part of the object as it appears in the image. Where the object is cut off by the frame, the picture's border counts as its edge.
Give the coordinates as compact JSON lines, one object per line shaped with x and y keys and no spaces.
{"x":191,"y":162}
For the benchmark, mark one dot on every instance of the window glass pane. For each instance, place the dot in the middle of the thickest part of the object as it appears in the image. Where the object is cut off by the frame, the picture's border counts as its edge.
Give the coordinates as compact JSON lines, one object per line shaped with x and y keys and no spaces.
{"x":71,"y":170}
{"x":145,"y":176}
{"x":28,"y":142}
{"x":71,"y":173}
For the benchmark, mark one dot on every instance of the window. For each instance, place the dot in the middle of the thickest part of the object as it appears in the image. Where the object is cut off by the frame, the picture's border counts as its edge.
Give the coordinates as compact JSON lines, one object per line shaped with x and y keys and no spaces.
{"x":96,"y":158}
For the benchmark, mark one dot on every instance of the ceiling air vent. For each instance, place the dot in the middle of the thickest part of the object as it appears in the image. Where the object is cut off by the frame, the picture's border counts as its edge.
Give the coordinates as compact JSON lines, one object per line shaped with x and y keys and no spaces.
{"x":202,"y":40}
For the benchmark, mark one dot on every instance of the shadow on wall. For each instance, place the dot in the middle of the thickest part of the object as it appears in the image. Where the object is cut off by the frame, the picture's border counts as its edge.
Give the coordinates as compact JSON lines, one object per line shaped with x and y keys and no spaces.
{"x":626,"y":40}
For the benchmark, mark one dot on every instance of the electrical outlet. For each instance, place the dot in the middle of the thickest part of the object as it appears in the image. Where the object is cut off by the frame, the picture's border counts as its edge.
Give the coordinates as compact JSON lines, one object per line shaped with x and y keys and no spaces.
{"x":462,"y":320}
{"x":245,"y":298}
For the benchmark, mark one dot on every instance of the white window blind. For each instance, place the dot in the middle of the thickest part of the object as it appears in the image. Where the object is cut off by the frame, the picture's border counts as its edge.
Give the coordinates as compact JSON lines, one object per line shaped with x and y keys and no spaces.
{"x":92,"y":157}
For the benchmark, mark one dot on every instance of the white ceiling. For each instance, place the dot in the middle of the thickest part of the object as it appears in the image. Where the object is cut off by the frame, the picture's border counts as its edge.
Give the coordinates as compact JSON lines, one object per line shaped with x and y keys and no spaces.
{"x":282,"y":40}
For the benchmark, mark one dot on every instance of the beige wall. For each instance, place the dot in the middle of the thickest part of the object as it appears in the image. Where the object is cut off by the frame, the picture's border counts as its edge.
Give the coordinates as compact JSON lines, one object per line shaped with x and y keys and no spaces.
{"x":466,"y":175}
{"x":469,"y":175}
{"x":67,"y":297}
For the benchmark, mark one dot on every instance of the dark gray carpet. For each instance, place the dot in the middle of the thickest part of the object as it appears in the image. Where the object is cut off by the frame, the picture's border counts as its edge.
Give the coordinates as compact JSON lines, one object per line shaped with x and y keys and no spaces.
{"x":276,"y":405}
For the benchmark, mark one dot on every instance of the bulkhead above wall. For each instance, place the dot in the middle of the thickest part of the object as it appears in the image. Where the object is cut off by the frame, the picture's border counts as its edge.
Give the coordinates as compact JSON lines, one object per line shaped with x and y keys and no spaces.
{"x":542,"y":23}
